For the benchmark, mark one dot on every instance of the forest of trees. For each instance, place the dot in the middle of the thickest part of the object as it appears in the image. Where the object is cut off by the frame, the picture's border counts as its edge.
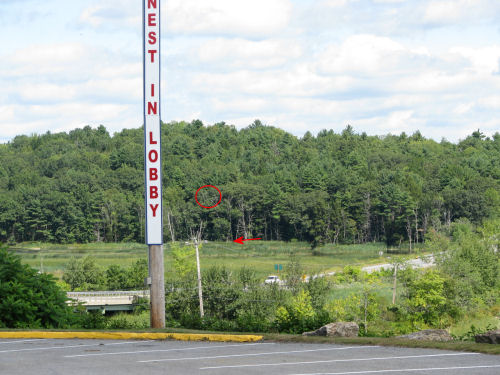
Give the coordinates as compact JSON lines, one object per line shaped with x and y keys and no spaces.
{"x":86,"y":185}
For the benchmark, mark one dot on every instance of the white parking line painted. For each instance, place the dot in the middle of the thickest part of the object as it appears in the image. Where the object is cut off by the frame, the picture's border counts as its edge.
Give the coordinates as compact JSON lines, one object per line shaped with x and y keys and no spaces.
{"x":402,"y":370}
{"x":13,"y":342}
{"x":165,"y":350}
{"x":69,"y":346}
{"x":258,"y":354}
{"x":338,"y":360}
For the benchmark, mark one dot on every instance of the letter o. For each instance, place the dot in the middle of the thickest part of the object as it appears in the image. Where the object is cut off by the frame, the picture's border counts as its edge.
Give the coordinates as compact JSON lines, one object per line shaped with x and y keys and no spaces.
{"x":153,"y":155}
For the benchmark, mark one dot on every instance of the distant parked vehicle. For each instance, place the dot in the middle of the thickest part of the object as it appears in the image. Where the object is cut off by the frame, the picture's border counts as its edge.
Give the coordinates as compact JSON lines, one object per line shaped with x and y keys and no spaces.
{"x":272,"y":279}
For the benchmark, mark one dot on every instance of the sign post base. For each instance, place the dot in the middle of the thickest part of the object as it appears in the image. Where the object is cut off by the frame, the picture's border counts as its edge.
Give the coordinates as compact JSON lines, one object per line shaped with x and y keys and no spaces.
{"x":157,"y":288}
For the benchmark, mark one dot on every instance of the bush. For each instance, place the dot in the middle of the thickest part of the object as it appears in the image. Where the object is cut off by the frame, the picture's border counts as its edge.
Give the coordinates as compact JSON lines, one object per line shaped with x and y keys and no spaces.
{"x":30,"y":299}
{"x":84,"y":274}
{"x":129,"y":321}
{"x":426,"y":302}
{"x":298,"y":316}
{"x":93,"y":319}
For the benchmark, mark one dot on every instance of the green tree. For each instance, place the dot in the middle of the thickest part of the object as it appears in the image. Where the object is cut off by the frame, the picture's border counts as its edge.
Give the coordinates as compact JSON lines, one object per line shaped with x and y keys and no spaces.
{"x":29,"y":299}
{"x":425,"y":299}
{"x":298,"y":315}
{"x":137,"y":273}
{"x":84,"y":274}
{"x":184,"y":260}
{"x":116,"y":278}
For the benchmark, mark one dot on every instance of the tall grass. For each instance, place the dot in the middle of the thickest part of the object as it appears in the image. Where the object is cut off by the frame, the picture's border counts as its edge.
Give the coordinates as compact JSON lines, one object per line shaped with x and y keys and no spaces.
{"x":259,"y":255}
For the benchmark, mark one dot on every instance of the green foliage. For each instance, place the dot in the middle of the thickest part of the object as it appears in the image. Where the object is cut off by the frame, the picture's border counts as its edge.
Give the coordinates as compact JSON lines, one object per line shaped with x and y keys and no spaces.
{"x":116,"y":277}
{"x":220,"y":293}
{"x":137,"y":273}
{"x":93,"y":319}
{"x":347,"y":309}
{"x":298,"y":315}
{"x":426,"y":301}
{"x":84,"y":274}
{"x":294,"y":273}
{"x":184,"y":259}
{"x":351,"y":273}
{"x":29,"y":299}
{"x":473,"y":331}
{"x":128,"y":321}
{"x":86,"y":185}
{"x":472,"y":264}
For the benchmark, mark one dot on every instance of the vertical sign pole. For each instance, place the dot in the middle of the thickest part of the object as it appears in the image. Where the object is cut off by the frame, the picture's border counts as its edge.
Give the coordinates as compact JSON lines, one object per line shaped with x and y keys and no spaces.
{"x":152,"y":159}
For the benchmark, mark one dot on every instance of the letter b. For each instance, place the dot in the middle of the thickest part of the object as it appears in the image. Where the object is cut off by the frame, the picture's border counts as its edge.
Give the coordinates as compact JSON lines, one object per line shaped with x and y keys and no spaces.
{"x":153,"y":192}
{"x":153,"y":174}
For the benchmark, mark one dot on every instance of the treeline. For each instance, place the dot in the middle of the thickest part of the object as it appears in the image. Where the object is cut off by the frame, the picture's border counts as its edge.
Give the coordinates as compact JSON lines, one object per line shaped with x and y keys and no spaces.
{"x":86,"y":185}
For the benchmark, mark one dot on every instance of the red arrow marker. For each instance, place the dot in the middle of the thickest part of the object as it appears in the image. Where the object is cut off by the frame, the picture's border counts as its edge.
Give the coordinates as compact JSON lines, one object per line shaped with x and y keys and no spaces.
{"x":240,"y":240}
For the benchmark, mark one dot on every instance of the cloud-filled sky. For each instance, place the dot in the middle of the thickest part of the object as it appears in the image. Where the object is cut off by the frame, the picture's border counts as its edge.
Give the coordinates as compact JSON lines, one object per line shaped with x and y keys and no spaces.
{"x":382,"y":66}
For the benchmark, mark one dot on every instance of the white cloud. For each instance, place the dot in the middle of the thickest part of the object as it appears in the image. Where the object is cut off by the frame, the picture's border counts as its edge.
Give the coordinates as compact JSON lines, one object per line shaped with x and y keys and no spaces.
{"x":112,"y":14}
{"x":440,"y":12}
{"x":47,"y":58}
{"x":248,"y":54}
{"x":27,"y":119}
{"x":364,"y":54}
{"x":335,"y":3}
{"x":490,"y":102}
{"x":228,"y":17}
{"x":380,"y":65}
{"x":485,"y":60}
{"x":299,"y":81}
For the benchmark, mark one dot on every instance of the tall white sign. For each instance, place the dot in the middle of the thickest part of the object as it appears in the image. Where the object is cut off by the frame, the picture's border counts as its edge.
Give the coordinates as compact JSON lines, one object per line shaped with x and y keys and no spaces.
{"x":152,"y":124}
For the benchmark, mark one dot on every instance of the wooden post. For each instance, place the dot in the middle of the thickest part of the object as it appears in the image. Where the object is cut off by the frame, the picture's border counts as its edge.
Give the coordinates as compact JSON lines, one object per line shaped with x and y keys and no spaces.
{"x":394,"y":283}
{"x":157,"y":287}
{"x":200,"y":292}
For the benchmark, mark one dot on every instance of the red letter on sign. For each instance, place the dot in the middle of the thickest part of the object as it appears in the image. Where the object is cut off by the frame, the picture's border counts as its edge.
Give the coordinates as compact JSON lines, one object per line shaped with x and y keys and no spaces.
{"x":151,"y":142}
{"x":152,"y":53}
{"x":151,"y":19}
{"x":151,"y":3}
{"x":153,"y":174}
{"x":152,"y":107}
{"x":152,"y":37}
{"x":153,"y":192}
{"x":154,"y":208}
{"x":153,"y":156}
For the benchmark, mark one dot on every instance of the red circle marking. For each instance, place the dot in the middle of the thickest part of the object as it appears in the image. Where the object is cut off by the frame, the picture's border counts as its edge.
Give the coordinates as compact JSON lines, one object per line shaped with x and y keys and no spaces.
{"x":207,"y":186}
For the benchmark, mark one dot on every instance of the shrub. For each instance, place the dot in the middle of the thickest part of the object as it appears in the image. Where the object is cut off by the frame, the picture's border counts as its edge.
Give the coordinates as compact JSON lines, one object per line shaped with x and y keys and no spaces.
{"x":425,"y":298}
{"x":28,"y":298}
{"x":128,"y":321}
{"x":298,"y":316}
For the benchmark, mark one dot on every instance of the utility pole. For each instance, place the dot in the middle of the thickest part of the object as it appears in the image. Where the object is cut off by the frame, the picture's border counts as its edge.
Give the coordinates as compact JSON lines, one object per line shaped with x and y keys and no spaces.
{"x":157,"y":287}
{"x":200,"y":292}
{"x":394,"y":283}
{"x":196,"y":241}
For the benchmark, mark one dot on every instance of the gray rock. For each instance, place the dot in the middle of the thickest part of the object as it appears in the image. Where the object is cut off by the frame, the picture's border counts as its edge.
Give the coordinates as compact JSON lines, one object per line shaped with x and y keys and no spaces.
{"x":490,"y":337}
{"x":429,"y":335}
{"x":338,"y":329}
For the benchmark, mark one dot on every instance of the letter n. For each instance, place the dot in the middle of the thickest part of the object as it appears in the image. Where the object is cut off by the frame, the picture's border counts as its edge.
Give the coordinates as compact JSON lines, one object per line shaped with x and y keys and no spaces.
{"x":152,"y":107}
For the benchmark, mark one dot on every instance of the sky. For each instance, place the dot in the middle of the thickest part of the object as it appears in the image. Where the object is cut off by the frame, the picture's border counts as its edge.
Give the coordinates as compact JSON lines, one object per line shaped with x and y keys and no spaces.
{"x":381,"y":66}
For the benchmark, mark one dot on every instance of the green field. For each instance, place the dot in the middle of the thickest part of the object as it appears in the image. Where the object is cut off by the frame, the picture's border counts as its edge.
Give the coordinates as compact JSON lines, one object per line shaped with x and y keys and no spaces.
{"x":261,"y":256}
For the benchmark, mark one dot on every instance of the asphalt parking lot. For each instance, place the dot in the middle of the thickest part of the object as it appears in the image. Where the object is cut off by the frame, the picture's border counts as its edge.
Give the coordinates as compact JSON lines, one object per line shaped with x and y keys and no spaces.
{"x":83,"y":357}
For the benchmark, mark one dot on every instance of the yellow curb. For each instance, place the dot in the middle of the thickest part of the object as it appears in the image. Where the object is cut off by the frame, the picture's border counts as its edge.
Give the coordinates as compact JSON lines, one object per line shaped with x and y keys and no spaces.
{"x":129,"y":336}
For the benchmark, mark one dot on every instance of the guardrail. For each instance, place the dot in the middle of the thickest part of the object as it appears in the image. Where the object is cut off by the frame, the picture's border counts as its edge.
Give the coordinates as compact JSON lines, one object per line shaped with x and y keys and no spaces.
{"x":139,"y":293}
{"x":108,"y":300}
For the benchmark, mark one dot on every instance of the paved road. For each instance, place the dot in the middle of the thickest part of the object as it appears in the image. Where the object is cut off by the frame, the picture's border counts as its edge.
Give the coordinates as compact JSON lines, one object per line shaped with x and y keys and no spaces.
{"x":96,"y":357}
{"x":420,"y":262}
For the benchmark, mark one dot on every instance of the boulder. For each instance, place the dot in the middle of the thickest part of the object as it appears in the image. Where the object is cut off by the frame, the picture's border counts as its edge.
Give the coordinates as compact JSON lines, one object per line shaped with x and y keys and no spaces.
{"x":429,"y":335}
{"x":490,"y":337}
{"x":338,"y":329}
